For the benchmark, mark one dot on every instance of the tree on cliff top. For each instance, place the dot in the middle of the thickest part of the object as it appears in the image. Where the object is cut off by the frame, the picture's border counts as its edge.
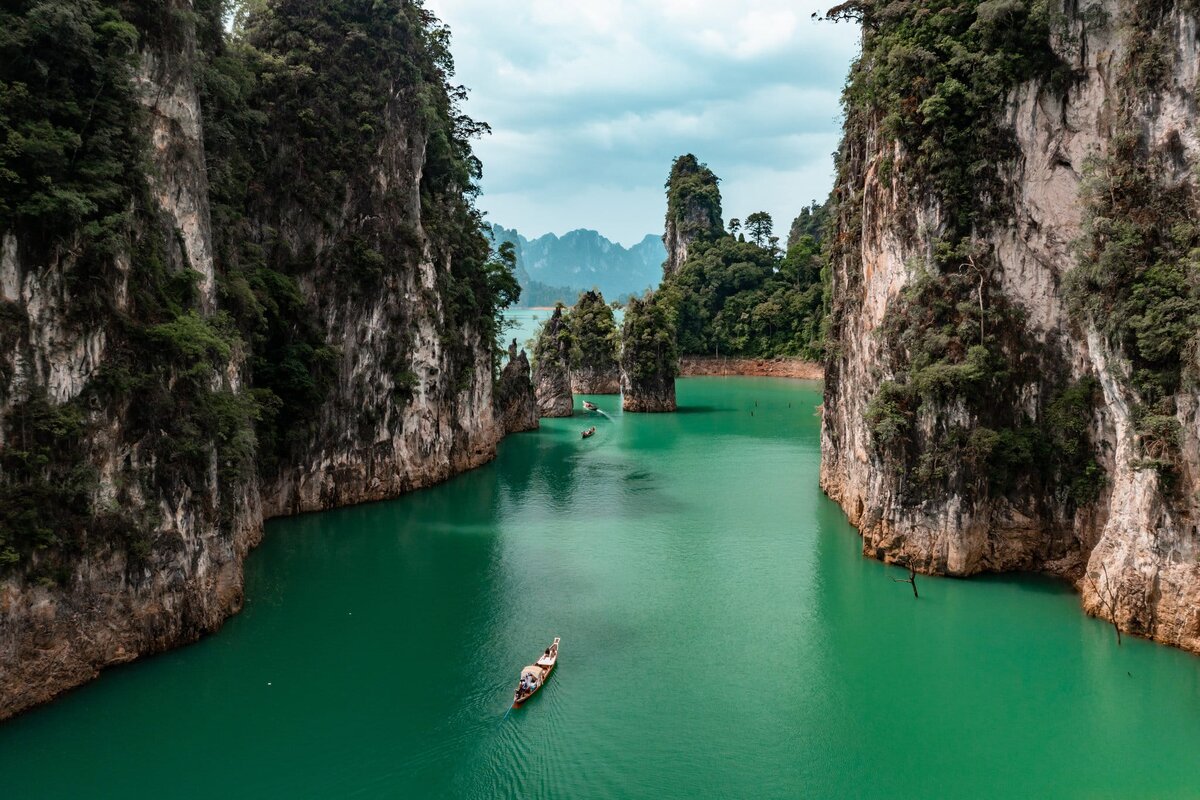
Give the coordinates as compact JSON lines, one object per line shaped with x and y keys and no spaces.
{"x":554,"y":339}
{"x":737,"y":297}
{"x":761,"y":228}
{"x":693,"y":199}
{"x":811,"y":221}
{"x":594,"y":330}
{"x":648,"y":348}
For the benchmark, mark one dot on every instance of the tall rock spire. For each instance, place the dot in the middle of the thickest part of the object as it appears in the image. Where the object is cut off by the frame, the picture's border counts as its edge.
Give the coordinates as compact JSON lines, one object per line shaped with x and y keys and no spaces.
{"x":693,"y":209}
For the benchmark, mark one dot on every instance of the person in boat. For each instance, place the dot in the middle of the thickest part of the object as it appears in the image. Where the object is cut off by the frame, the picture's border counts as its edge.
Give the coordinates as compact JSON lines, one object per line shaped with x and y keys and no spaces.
{"x":547,"y":653}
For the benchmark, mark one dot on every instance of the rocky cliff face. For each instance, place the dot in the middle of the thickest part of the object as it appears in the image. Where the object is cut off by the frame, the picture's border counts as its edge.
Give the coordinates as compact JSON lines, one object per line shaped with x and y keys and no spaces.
{"x":1013,"y":385}
{"x":693,"y":210}
{"x":593,"y":380}
{"x":596,"y":380}
{"x":157,"y":559}
{"x":156,"y":415}
{"x":552,"y":367}
{"x":594,"y":366}
{"x":515,"y":398}
{"x":649,"y":357}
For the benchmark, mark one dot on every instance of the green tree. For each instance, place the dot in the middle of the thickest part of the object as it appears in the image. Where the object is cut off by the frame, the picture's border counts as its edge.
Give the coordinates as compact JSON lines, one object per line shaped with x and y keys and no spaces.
{"x":738,"y":297}
{"x":594,"y":333}
{"x":760,"y":228}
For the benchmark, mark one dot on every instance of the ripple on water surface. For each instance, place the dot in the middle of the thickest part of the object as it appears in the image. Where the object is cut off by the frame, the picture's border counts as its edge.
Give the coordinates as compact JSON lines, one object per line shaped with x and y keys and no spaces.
{"x":722,"y":637}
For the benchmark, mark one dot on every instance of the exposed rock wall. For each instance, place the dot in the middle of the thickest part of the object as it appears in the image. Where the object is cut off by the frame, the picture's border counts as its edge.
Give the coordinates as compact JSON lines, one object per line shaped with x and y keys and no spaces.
{"x":591,"y":380}
{"x":1132,"y":550}
{"x":114,"y":607}
{"x":693,"y":210}
{"x":515,"y":399}
{"x":552,"y":367}
{"x":409,"y":403}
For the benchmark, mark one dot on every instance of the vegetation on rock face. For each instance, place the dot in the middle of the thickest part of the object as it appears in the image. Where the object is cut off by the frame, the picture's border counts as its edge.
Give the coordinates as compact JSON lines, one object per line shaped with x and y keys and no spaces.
{"x":75,"y":198}
{"x":554,"y":340}
{"x":693,"y":199}
{"x":595,"y":341}
{"x":552,"y":365}
{"x":931,"y":87}
{"x":935,"y":76}
{"x":648,"y":344}
{"x":1138,"y":275}
{"x":953,"y":420}
{"x":516,"y":401}
{"x":72,"y":152}
{"x":747,"y":298}
{"x":322,"y":100}
{"x":294,"y":101}
{"x":813,"y":220}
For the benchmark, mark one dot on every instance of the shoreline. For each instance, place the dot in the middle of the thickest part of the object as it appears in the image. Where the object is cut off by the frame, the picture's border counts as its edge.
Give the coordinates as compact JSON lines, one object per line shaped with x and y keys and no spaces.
{"x":782,"y":367}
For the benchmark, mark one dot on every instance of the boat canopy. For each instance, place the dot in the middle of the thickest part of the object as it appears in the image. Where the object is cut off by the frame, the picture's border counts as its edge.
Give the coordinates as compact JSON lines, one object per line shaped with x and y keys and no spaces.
{"x":534,"y":671}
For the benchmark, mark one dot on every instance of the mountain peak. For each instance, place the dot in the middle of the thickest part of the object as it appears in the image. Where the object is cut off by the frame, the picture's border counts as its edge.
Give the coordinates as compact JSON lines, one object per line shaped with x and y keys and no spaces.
{"x":553,"y":267}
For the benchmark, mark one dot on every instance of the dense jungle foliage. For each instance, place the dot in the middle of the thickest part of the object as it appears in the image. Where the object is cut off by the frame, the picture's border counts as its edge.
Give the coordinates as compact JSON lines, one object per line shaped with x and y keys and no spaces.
{"x":293,"y":99}
{"x":649,"y":352}
{"x":738,"y":293}
{"x":596,"y":342}
{"x":935,"y":75}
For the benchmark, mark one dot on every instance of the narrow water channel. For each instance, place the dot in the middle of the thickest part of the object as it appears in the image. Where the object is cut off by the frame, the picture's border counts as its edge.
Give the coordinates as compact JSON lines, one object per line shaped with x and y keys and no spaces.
{"x":721,"y":637}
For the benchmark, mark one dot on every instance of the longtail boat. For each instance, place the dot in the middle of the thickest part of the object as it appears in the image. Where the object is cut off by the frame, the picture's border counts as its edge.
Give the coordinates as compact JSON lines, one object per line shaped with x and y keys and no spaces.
{"x":534,"y":676}
{"x":590,"y":406}
{"x":590,"y":431}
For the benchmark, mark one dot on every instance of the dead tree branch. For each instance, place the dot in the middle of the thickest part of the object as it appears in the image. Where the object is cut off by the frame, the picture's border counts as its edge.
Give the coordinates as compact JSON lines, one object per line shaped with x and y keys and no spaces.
{"x":911,"y":579}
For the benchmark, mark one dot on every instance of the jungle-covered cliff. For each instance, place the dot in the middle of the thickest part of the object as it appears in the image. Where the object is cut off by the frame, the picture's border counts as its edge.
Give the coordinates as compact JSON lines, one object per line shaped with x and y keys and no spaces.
{"x":241,"y":275}
{"x":736,"y":292}
{"x":1014,"y":346}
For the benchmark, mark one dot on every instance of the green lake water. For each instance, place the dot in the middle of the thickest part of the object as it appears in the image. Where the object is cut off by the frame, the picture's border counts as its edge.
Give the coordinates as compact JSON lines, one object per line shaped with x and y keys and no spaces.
{"x":721,"y":637}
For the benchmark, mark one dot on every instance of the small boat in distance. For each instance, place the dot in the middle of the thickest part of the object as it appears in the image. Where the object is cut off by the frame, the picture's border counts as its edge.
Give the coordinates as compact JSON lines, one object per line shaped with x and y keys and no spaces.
{"x":588,"y":432}
{"x":590,"y":406}
{"x":534,"y":676}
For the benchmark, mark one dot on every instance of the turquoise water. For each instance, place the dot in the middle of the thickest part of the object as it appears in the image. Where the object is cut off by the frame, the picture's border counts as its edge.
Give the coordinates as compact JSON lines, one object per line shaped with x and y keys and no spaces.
{"x":721,"y":637}
{"x":524,"y":324}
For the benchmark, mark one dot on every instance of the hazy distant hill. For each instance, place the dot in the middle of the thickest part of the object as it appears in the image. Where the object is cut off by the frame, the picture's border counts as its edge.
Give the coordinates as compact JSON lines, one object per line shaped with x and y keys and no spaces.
{"x":559,"y":267}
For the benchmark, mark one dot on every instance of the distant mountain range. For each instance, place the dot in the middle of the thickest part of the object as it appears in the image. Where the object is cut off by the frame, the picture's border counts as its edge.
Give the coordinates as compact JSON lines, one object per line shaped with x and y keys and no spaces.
{"x":552,"y":268}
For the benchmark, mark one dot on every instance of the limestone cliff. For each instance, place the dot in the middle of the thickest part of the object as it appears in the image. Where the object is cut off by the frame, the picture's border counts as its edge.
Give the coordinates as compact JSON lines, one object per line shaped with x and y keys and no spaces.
{"x":515,"y":398}
{"x":594,"y":367}
{"x":552,"y":367}
{"x":1015,"y":301}
{"x":649,"y":357}
{"x":693,"y":210}
{"x":167,"y":383}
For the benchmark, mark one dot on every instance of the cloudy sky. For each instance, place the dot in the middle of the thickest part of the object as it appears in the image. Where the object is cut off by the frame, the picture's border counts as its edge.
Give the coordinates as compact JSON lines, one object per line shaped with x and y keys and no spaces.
{"x":589,"y":102}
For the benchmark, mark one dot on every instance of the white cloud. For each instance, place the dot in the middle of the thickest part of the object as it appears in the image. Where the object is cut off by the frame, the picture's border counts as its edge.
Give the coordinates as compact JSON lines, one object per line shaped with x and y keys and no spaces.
{"x":589,"y":103}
